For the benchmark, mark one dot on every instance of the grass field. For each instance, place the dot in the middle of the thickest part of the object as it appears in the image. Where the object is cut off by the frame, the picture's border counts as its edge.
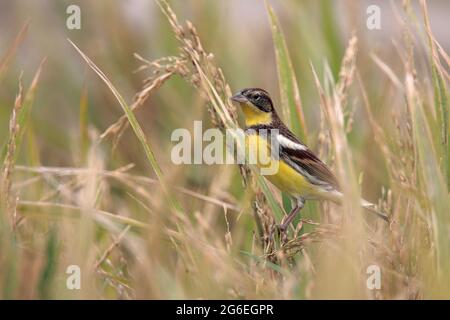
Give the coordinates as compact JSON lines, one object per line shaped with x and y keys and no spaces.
{"x":87,"y":180}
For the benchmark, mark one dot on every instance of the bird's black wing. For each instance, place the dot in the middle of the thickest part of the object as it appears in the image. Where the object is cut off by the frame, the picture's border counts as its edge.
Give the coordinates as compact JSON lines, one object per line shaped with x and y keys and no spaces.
{"x":318,"y":172}
{"x":306,"y":160}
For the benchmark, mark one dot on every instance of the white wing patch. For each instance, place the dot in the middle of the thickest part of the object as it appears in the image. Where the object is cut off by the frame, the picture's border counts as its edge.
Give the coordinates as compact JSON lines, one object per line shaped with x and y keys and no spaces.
{"x":287,"y":143}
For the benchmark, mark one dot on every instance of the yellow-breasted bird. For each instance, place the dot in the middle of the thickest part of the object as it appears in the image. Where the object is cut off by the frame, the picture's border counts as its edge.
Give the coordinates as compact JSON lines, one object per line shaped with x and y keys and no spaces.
{"x":301,"y":174}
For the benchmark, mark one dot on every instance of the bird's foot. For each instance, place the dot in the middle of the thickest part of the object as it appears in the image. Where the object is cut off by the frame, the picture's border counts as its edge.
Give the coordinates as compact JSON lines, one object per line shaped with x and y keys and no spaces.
{"x":283,"y":232}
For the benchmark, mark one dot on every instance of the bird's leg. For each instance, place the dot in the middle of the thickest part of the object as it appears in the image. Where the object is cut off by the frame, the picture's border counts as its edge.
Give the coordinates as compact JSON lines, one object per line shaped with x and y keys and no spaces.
{"x":288,"y":219}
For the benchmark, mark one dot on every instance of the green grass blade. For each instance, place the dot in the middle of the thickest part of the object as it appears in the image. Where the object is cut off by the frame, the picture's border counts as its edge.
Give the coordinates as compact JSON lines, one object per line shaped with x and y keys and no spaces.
{"x":440,"y":97}
{"x":441,"y":103}
{"x":48,"y":273}
{"x":434,"y":183}
{"x":5,"y":61}
{"x":137,"y":130}
{"x":291,"y":107}
{"x":25,"y":110}
{"x":84,"y":120}
{"x":276,"y":209}
{"x":332,"y":35}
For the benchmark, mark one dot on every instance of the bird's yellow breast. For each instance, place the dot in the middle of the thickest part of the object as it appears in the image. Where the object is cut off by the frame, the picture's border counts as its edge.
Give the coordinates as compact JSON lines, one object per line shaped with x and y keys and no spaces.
{"x":285,"y":177}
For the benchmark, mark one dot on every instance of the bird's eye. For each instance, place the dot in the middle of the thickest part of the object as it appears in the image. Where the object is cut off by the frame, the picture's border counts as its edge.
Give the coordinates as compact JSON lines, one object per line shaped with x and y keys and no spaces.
{"x":256,"y":97}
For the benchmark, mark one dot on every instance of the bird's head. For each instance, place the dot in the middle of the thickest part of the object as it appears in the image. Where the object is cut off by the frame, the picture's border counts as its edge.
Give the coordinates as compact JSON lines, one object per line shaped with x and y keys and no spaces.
{"x":256,"y":105}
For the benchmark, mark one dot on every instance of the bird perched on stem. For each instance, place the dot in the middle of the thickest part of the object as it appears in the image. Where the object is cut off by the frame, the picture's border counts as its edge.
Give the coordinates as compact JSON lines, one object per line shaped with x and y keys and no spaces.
{"x":301,"y":174}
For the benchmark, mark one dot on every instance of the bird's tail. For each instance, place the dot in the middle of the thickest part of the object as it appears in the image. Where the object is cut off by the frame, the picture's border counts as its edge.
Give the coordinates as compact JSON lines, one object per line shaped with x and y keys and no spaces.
{"x":372,"y":209}
{"x":337,"y":196}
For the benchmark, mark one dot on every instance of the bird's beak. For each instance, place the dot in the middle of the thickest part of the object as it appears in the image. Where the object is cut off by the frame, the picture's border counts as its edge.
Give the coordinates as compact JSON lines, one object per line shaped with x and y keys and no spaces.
{"x":239,"y":97}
